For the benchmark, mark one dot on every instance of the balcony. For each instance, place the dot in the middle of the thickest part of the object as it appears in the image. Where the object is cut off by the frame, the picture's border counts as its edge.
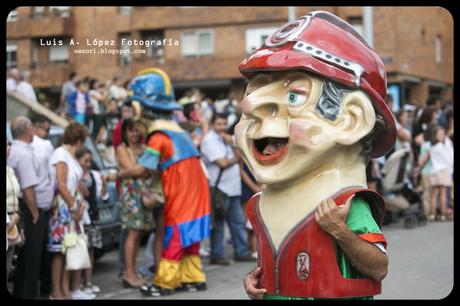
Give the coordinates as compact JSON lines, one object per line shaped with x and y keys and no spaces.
{"x":48,"y":25}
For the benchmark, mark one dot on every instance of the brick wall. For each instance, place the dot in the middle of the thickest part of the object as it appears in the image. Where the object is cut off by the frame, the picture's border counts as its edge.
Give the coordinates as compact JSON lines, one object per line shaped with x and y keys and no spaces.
{"x":403,"y":37}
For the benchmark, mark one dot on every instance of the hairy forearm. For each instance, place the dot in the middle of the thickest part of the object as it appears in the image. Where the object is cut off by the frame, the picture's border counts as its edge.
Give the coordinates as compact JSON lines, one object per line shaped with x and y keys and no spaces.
{"x":365,"y":257}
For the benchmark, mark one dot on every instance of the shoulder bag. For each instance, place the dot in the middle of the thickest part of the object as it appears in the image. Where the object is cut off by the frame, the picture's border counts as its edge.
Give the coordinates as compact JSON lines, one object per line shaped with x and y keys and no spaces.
{"x":217,"y":200}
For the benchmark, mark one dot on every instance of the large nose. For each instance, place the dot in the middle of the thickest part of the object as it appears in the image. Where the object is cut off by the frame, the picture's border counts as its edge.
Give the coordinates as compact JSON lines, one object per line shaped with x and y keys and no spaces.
{"x":269,"y":112}
{"x":262,"y":107}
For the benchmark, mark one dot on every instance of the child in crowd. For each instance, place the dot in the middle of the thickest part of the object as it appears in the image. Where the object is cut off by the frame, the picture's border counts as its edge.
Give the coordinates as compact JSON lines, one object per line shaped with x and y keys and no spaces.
{"x":441,"y":155}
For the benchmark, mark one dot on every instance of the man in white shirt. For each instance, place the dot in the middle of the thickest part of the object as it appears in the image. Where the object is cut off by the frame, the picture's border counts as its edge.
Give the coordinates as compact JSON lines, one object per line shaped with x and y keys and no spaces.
{"x":117,"y":91}
{"x":219,"y":152}
{"x":26,"y":89}
{"x":43,"y":149}
{"x":13,"y":80}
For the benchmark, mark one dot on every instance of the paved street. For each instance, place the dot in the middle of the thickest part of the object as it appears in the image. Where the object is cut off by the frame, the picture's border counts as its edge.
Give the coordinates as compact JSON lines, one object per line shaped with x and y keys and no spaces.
{"x":421,"y":267}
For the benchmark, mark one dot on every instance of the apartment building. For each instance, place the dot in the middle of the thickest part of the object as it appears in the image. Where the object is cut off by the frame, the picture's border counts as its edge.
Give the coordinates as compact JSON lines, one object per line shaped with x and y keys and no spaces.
{"x":202,"y":46}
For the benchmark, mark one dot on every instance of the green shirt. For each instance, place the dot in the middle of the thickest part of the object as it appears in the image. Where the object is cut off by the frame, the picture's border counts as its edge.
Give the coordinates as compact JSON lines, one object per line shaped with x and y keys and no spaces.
{"x":360,"y":221}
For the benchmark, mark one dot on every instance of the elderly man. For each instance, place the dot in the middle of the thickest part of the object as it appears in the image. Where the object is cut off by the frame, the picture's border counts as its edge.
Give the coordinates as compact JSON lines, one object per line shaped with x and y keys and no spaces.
{"x":43,"y":149}
{"x":314,"y":113}
{"x":26,"y":89}
{"x":13,"y":80}
{"x":35,"y":201}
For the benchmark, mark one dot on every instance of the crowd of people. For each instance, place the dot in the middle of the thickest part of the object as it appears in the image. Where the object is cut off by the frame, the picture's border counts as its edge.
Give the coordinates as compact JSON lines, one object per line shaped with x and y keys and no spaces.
{"x":52,"y":191}
{"x":55,"y":191}
{"x":427,"y":133}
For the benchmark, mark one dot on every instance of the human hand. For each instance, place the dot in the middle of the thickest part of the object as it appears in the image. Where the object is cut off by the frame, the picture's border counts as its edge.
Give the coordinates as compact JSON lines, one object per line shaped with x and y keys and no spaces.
{"x":250,"y":281}
{"x":14,"y":219}
{"x":331,"y":217}
{"x":112,"y":176}
{"x":416,"y":172}
{"x":228,"y":138}
{"x":78,"y":215}
{"x":35,"y":216}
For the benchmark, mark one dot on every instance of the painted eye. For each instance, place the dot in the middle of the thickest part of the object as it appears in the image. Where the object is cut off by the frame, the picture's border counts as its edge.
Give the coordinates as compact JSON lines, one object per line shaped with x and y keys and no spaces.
{"x":296,"y":99}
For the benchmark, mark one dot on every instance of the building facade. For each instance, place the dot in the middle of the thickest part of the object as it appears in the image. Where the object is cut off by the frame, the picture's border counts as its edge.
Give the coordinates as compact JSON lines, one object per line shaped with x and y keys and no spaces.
{"x":201,"y":47}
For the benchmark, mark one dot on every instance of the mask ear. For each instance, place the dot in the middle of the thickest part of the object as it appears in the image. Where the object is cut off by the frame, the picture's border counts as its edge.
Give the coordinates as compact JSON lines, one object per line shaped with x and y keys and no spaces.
{"x":137,"y":110}
{"x":357,"y":118}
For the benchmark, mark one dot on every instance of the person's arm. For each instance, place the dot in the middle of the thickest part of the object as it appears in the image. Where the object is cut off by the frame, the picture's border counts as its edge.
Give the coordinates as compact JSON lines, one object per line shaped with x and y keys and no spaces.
{"x":248,"y":181}
{"x":403,"y":135}
{"x":225,"y":163}
{"x":423,"y":159}
{"x":131,"y":169}
{"x":365,"y":257}
{"x":61,"y":177}
{"x":419,"y":139}
{"x":30,"y":200}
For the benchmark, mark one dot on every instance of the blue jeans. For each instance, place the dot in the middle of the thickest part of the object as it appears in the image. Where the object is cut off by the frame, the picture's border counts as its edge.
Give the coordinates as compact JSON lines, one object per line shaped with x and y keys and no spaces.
{"x":235,"y":220}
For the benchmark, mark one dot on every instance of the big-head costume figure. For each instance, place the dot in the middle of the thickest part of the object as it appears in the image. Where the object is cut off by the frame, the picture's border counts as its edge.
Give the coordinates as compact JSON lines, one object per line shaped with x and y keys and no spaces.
{"x":185,"y":187}
{"x":313,"y":115}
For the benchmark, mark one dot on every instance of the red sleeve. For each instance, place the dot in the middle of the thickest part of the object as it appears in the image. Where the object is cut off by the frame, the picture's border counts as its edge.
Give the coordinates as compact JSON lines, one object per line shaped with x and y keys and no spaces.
{"x":374,"y":238}
{"x":162,"y":144}
{"x":116,"y":136}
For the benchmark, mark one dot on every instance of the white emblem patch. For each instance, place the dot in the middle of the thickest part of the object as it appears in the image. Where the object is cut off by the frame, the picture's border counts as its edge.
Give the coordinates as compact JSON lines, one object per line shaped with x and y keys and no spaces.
{"x":303,"y":265}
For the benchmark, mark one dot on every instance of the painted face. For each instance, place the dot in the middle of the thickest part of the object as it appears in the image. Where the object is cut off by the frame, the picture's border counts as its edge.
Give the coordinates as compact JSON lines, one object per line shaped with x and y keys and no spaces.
{"x":281,"y":133}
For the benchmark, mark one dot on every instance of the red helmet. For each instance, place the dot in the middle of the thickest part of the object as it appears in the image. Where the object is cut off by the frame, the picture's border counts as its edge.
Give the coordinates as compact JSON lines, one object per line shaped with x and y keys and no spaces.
{"x":324,"y":44}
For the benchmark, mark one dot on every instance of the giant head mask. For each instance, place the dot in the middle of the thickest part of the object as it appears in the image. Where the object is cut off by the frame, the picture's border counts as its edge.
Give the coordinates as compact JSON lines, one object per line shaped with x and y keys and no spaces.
{"x":315,"y":88}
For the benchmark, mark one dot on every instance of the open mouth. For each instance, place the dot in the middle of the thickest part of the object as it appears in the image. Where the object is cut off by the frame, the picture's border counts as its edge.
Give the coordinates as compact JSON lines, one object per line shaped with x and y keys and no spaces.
{"x":269,"y":150}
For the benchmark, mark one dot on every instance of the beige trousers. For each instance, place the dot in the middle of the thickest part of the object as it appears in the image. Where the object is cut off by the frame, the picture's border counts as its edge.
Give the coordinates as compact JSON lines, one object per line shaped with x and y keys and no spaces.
{"x":426,"y":197}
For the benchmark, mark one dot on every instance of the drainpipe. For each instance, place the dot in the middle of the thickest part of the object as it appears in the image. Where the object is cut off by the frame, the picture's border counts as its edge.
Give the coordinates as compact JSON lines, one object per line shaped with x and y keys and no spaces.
{"x":367,"y":23}
{"x":291,"y":13}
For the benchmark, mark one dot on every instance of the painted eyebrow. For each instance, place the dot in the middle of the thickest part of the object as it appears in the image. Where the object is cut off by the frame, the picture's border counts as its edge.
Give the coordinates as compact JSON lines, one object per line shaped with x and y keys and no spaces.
{"x":298,"y":90}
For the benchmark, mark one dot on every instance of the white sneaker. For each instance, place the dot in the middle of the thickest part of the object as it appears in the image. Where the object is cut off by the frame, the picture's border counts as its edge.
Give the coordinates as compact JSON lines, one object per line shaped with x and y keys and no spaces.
{"x":204,"y":252}
{"x":254,"y":255}
{"x":80,"y":295}
{"x":90,"y":288}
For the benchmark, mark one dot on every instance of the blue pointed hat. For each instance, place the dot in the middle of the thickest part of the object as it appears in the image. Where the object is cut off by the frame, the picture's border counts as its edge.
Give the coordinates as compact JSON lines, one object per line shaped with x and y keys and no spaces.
{"x":153,"y":89}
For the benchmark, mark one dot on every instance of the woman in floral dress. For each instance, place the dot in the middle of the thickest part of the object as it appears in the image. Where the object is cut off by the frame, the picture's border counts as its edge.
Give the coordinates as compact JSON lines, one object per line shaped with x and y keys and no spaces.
{"x":134,"y":216}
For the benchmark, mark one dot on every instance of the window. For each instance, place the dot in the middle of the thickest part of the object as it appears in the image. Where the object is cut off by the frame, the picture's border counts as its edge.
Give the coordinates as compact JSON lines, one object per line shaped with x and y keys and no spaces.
{"x":155,"y":49}
{"x":11,"y":55}
{"x":34,"y":61}
{"x":199,"y":42}
{"x":12,"y":16}
{"x":255,"y":38}
{"x":437,"y":48}
{"x":357,"y":23}
{"x":59,"y":54}
{"x":38,"y":11}
{"x":125,"y":56}
{"x":125,"y":10}
{"x":62,"y":11}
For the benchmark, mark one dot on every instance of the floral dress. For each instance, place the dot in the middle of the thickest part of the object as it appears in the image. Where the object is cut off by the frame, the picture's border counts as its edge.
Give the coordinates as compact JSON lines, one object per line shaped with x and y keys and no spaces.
{"x":132,"y":212}
{"x":60,"y":220}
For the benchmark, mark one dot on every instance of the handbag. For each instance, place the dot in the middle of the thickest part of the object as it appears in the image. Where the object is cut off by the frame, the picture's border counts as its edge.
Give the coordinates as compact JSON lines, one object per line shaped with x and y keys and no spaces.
{"x":217,"y":200}
{"x":75,"y":248}
{"x":16,"y":237}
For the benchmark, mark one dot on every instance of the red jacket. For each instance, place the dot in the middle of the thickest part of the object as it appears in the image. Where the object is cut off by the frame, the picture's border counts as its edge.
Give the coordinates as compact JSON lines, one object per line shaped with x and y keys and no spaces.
{"x":305,"y":263}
